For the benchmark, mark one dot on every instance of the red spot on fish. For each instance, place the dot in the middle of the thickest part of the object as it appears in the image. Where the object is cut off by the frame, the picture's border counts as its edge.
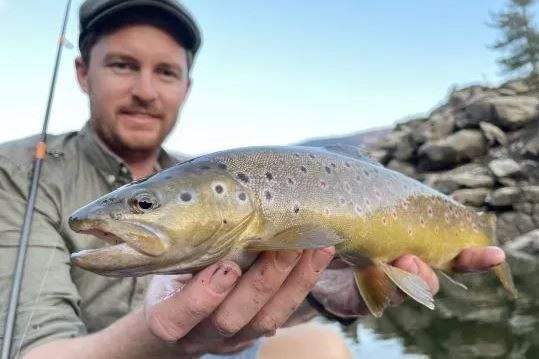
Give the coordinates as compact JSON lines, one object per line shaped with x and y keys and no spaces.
{"x":422,"y":221}
{"x":429,"y":211}
{"x":323,"y":184}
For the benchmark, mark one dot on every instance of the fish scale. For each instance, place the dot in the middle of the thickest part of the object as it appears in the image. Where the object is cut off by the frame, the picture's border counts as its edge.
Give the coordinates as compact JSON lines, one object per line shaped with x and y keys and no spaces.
{"x":234,"y":204}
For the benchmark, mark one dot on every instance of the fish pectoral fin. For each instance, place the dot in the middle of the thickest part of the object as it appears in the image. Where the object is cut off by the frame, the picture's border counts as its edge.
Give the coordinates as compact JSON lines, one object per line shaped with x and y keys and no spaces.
{"x":375,"y":288}
{"x":297,"y":237}
{"x":411,"y":284}
{"x":151,"y":246}
{"x":452,"y":280}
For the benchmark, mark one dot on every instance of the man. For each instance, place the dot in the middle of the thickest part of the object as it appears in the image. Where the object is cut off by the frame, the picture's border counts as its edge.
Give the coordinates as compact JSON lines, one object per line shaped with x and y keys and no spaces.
{"x":135,"y":63}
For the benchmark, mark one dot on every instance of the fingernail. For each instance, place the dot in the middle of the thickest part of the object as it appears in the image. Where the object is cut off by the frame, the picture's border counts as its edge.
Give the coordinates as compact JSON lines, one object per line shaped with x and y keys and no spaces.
{"x":223,"y":279}
{"x":322,"y":257}
{"x":497,"y":254}
{"x":286,"y":259}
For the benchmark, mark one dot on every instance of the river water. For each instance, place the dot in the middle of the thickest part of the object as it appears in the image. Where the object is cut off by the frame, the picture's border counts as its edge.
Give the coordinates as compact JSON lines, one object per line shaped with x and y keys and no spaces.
{"x":482,"y":322}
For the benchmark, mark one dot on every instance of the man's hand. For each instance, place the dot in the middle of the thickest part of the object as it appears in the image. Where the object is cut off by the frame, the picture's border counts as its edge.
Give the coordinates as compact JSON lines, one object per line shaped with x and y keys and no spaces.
{"x":222,"y":311}
{"x":337,"y":290}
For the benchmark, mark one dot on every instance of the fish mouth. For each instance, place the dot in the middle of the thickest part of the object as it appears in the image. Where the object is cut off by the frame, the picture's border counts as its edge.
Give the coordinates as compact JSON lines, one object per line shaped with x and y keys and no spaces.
{"x":132,"y":247}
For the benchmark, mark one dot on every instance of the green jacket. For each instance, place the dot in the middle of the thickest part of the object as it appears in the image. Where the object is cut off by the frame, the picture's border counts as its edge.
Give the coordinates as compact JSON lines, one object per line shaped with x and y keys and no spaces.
{"x":58,"y":300}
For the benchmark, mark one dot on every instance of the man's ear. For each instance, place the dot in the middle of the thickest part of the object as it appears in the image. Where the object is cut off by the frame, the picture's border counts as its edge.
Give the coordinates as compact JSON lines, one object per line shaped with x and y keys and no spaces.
{"x":82,"y":73}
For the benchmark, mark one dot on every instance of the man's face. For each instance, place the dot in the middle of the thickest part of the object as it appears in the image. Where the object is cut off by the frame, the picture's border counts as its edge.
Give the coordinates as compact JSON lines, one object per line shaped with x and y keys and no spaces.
{"x":137,"y":81}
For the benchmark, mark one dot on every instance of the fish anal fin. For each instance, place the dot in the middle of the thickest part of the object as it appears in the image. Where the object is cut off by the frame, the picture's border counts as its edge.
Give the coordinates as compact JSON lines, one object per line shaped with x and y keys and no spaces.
{"x":297,"y":237}
{"x":452,"y":280}
{"x":375,"y":288}
{"x":411,"y":284}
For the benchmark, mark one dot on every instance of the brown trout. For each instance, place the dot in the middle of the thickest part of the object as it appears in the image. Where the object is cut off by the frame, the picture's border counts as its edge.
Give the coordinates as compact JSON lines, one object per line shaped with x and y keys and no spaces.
{"x":234,"y":204}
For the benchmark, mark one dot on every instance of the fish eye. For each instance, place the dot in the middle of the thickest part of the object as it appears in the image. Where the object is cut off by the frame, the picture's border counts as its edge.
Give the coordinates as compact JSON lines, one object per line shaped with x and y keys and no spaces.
{"x":143,"y":202}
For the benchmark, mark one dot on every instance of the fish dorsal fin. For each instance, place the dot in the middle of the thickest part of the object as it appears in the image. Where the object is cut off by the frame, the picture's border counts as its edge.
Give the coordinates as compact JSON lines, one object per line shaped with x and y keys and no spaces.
{"x":297,"y":237}
{"x":357,"y":153}
{"x":411,"y":284}
{"x":375,"y":288}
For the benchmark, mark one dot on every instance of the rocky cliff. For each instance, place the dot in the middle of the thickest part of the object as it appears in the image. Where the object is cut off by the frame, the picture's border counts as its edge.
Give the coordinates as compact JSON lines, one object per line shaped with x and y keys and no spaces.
{"x":481,"y":147}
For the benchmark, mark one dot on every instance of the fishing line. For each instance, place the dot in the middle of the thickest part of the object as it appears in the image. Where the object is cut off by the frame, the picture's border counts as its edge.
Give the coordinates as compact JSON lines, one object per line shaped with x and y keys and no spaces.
{"x":40,"y":153}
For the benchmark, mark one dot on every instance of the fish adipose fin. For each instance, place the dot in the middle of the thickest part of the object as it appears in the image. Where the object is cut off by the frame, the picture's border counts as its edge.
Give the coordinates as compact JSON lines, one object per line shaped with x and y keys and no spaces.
{"x":298,"y":237}
{"x":375,"y":288}
{"x":411,"y":284}
{"x":452,"y":280}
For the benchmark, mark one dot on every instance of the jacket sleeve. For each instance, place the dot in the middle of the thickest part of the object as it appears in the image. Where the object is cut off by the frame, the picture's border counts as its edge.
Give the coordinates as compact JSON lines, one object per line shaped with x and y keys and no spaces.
{"x":49,"y":303}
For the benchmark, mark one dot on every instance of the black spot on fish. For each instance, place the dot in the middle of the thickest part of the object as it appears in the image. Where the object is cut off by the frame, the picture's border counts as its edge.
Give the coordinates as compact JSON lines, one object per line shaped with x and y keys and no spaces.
{"x":269,"y":176}
{"x":225,"y":221}
{"x":303,"y":169}
{"x":296,"y":208}
{"x":222,"y":166}
{"x":347,"y":164}
{"x":296,"y":154}
{"x":168,"y":177}
{"x":267,"y":194}
{"x":205,"y":167}
{"x":219,"y":189}
{"x":186,"y":196}
{"x":290,"y":181}
{"x":366,"y":173}
{"x":243,"y":177}
{"x":242,"y":196}
{"x":328,"y":170}
{"x":333,"y":165}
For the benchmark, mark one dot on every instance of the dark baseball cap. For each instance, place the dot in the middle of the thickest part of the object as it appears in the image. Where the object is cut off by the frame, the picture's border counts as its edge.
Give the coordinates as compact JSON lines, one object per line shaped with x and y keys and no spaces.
{"x":94,"y":12}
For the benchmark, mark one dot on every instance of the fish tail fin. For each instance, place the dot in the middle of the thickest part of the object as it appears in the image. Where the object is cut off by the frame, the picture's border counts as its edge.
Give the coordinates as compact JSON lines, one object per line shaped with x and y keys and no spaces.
{"x":502,"y":271}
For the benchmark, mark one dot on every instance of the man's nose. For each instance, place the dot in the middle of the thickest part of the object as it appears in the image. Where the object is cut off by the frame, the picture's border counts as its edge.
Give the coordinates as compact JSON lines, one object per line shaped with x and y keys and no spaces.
{"x":144,"y":88}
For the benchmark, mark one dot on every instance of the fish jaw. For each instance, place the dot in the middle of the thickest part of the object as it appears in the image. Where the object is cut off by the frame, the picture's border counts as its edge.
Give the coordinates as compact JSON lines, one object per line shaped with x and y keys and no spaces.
{"x":119,"y":260}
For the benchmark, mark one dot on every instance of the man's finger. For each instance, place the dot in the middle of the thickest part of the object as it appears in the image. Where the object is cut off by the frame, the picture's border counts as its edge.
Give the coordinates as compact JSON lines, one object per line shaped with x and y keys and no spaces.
{"x":413,"y":264}
{"x":292,"y":293}
{"x":261,"y":281}
{"x":173,"y":317}
{"x":478,"y":259}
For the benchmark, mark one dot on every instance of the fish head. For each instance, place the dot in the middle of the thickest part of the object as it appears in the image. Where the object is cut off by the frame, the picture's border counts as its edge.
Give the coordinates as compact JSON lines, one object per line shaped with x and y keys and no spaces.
{"x":178,"y":220}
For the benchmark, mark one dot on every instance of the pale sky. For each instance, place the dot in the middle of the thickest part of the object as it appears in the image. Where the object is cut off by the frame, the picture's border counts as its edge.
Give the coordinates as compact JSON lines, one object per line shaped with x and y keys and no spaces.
{"x":270,"y":72}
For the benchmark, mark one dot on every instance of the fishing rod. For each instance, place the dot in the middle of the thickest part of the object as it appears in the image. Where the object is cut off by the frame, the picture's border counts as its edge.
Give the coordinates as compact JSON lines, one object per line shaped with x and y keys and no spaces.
{"x":41,"y":151}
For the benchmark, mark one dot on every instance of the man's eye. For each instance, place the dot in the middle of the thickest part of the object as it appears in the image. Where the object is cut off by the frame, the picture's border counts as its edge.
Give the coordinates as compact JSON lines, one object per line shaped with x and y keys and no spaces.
{"x":122,"y":67}
{"x":169,"y":74}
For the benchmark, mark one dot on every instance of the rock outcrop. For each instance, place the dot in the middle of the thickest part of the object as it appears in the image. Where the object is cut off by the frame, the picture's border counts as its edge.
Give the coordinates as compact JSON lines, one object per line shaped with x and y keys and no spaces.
{"x":481,"y":148}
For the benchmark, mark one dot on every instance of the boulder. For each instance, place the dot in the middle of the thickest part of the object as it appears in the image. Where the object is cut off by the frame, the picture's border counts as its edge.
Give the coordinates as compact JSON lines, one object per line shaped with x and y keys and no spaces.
{"x":512,"y":112}
{"x":503,"y":197}
{"x":470,"y":175}
{"x":527,"y":243}
{"x":402,"y":167}
{"x":493,"y":134}
{"x":457,"y":148}
{"x":505,"y":167}
{"x":471,"y":196}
